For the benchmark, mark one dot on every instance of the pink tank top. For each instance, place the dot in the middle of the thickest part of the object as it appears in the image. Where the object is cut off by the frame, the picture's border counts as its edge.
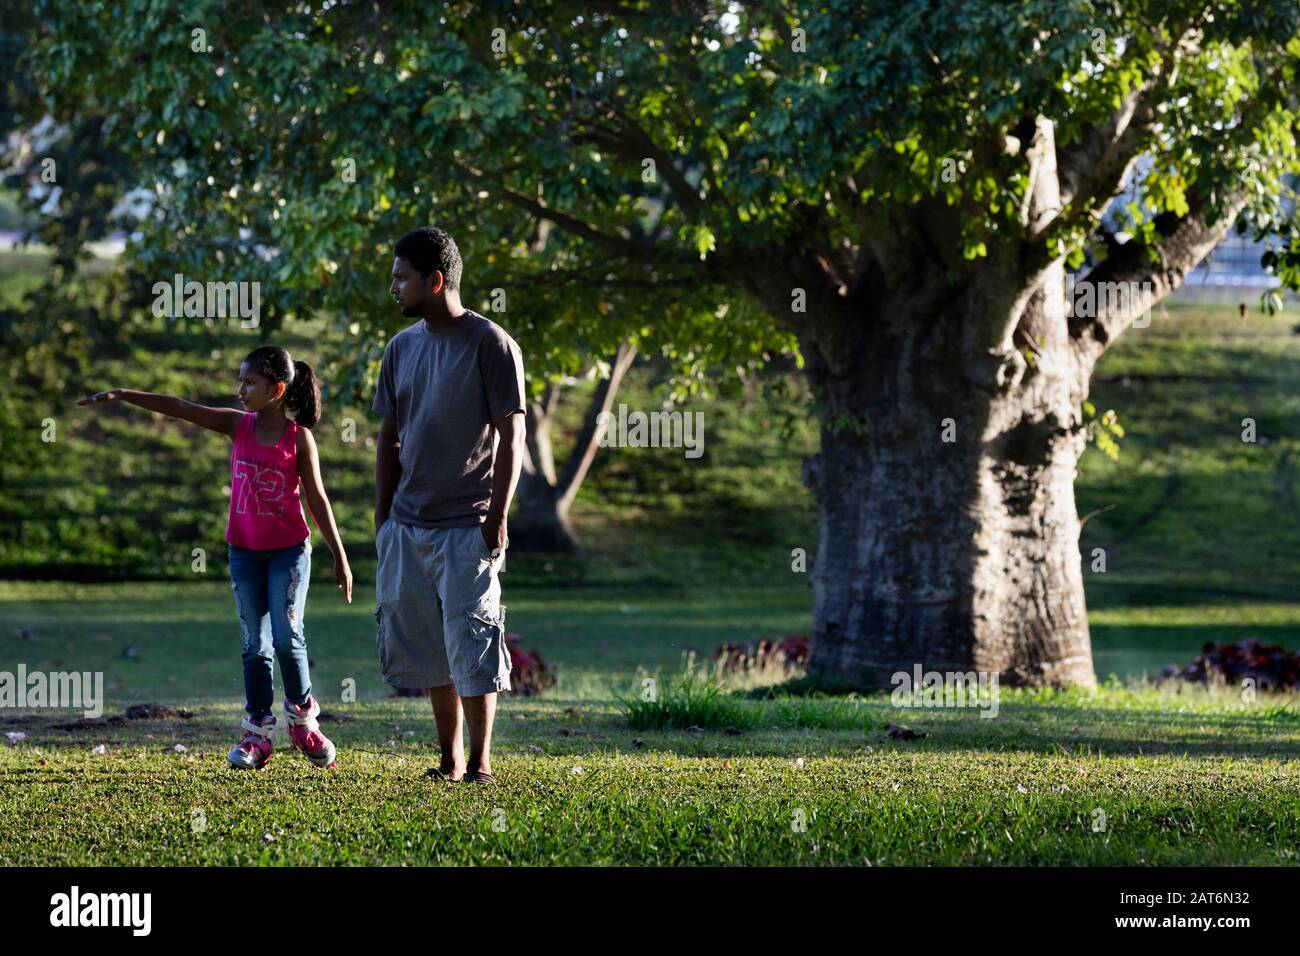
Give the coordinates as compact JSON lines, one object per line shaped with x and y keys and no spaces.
{"x":265,"y":507}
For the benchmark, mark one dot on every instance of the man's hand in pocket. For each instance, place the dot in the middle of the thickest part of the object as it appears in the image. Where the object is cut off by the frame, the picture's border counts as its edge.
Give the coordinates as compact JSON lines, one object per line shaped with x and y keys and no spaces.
{"x":494,"y":533}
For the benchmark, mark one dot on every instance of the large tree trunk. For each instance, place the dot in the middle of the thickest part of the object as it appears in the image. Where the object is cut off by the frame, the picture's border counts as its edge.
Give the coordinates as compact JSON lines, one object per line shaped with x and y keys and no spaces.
{"x":956,"y":555}
{"x":964,"y":555}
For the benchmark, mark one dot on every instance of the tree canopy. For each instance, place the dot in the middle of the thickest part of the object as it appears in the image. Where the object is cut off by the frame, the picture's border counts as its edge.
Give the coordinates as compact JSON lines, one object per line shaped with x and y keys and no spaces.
{"x":678,"y":154}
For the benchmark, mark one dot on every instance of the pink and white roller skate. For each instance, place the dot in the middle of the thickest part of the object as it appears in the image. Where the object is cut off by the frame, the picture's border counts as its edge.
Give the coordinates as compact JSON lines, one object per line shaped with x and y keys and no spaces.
{"x":304,"y":733}
{"x":254,"y":750}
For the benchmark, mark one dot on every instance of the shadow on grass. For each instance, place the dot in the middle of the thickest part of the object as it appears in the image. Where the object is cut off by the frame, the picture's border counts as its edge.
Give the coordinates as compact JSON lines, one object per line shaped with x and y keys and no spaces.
{"x":547,"y":728}
{"x":792,"y":718}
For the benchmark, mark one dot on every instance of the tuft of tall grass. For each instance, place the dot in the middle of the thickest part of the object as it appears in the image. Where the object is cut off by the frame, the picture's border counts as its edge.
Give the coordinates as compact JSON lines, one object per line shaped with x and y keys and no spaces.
{"x":697,"y":700}
{"x":694,"y":700}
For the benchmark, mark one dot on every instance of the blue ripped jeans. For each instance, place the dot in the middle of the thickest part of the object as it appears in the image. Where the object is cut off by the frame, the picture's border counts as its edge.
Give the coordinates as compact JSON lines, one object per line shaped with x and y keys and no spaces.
{"x":270,"y":594}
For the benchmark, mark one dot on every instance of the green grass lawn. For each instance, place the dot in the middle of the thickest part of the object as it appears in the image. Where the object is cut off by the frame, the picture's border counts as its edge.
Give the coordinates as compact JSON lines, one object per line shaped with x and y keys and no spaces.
{"x":182,"y":644}
{"x":1118,"y":778}
{"x":1190,"y":513}
{"x":1191,"y":778}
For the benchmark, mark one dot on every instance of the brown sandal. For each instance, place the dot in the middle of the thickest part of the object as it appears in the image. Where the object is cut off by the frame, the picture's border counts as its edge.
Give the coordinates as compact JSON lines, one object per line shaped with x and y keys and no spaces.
{"x":478,"y":776}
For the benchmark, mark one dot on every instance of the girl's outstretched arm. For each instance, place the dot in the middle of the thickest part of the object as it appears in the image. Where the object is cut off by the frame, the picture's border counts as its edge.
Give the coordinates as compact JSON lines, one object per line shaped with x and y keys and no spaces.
{"x":319,"y":505}
{"x":222,"y":420}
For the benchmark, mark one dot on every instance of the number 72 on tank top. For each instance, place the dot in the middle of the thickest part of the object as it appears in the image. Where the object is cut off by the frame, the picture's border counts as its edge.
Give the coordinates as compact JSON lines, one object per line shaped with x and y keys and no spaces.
{"x":264,"y":483}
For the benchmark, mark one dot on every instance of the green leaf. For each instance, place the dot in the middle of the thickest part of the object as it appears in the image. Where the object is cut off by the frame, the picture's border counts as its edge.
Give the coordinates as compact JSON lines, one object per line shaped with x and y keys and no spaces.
{"x":704,"y":240}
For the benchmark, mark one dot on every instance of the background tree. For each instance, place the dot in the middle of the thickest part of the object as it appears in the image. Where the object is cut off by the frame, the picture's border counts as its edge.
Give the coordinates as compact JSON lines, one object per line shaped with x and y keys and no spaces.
{"x":248,"y":110}
{"x":900,"y":186}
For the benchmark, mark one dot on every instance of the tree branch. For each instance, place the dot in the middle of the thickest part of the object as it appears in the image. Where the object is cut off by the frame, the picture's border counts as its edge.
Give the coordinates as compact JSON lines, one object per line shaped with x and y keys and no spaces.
{"x":1186,"y":241}
{"x":615,"y":244}
{"x":1097,"y":164}
{"x":1093,"y":171}
{"x":584,"y":450}
{"x":688,"y":196}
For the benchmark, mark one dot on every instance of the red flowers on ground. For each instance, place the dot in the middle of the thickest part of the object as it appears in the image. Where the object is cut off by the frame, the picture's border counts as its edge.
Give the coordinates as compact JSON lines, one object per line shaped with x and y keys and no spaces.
{"x":1270,"y":666}
{"x":768,"y":654}
{"x":529,"y":674}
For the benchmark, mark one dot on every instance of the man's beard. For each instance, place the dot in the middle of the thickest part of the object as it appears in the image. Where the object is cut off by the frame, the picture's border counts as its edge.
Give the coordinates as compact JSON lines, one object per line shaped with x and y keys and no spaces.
{"x":412,"y":311}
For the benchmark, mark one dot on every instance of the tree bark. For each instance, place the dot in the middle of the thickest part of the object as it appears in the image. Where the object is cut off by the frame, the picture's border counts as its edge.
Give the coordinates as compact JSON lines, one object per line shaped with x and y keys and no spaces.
{"x":958,"y":554}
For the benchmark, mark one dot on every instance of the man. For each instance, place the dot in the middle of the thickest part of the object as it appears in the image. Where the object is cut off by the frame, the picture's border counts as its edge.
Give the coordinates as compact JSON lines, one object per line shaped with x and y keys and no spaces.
{"x":451,"y":399}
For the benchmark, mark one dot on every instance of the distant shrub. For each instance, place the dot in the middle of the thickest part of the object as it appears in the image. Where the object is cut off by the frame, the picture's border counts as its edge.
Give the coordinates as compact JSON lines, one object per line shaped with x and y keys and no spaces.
{"x":1270,"y":666}
{"x":768,"y":659}
{"x":529,"y":674}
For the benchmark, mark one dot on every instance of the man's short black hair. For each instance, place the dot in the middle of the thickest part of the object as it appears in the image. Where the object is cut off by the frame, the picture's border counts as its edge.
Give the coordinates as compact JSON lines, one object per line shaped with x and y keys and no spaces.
{"x":427,"y":249}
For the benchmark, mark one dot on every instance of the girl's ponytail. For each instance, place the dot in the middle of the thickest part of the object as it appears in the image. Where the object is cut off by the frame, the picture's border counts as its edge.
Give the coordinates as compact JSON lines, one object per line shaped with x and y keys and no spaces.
{"x":302,"y":390}
{"x":303,"y":395}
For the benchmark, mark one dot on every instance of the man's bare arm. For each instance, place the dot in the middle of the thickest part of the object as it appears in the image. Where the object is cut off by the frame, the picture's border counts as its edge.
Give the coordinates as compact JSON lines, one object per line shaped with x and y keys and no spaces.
{"x":505,"y":476}
{"x":388,"y":469}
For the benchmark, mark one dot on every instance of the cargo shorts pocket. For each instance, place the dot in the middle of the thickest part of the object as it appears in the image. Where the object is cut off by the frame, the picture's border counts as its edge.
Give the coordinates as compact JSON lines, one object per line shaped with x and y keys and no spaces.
{"x":379,"y":535}
{"x":411,"y":650}
{"x":488,"y":640}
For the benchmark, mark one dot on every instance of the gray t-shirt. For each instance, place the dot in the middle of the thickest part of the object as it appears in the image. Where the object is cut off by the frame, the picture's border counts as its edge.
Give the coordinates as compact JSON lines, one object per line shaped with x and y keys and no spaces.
{"x":446,"y":390}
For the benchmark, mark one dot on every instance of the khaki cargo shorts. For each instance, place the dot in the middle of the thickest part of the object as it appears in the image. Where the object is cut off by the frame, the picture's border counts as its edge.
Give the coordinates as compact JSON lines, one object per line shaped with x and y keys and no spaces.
{"x":438,"y":615}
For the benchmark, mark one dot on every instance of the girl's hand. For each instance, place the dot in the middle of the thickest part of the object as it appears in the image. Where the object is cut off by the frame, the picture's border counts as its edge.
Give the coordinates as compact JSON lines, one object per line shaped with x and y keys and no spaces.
{"x":343,"y":577}
{"x":112,"y":395}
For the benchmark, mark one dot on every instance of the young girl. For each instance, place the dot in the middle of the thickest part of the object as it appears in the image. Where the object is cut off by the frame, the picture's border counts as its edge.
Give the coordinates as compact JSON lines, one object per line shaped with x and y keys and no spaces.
{"x":270,"y":543}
